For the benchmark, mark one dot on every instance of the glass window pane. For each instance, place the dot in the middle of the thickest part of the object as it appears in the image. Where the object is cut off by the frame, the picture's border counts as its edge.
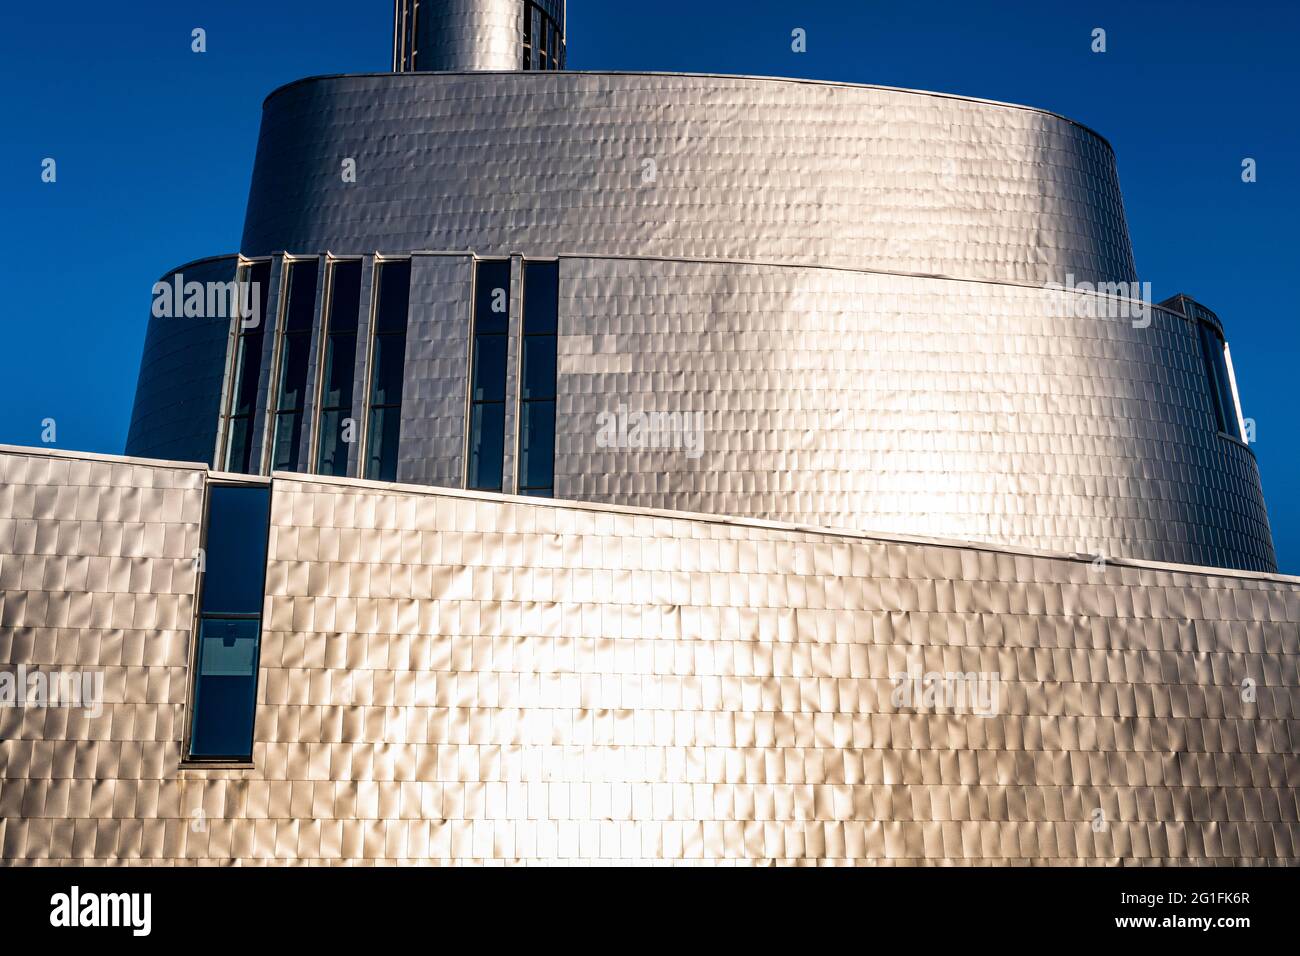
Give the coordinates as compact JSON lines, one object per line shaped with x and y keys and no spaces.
{"x":238,"y":448}
{"x":225,"y":690}
{"x":293,"y":371}
{"x":235,"y":549}
{"x":332,"y":458}
{"x":541,"y":297}
{"x":345,"y":296}
{"x":340,"y":363}
{"x":383,"y":438}
{"x":259,"y":274}
{"x":386,"y":372}
{"x":489,"y":368}
{"x":539,"y":367}
{"x":288,"y":435}
{"x":537,"y":444}
{"x":299,"y":309}
{"x":492,"y":298}
{"x":248,"y":368}
{"x":394,"y":282}
{"x":486,"y":446}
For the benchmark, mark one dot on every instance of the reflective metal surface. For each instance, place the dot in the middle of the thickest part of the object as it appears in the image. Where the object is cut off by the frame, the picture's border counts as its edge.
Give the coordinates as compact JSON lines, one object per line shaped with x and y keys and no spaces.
{"x":456,"y":678}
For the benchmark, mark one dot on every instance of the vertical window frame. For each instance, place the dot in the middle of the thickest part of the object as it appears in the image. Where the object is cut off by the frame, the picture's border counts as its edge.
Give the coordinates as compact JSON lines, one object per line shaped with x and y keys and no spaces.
{"x":470,"y":402}
{"x":323,"y":366}
{"x":278,"y":357}
{"x":547,"y":338}
{"x":373,"y":341}
{"x":236,"y":352}
{"x":189,"y":760}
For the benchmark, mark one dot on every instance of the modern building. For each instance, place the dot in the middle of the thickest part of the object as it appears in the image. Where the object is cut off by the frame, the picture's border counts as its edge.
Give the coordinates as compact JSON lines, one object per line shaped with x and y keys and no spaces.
{"x":598,"y":467}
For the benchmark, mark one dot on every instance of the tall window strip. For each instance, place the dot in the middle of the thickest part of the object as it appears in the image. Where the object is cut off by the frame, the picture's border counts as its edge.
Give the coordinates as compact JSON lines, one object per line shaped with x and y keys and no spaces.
{"x":336,"y":429}
{"x":537,"y":379}
{"x":224,"y":700}
{"x":1222,"y":397}
{"x":387,"y":365}
{"x":247,"y":368}
{"x":543,"y":36}
{"x":408,"y":20}
{"x":490,"y":342}
{"x":291,"y":377}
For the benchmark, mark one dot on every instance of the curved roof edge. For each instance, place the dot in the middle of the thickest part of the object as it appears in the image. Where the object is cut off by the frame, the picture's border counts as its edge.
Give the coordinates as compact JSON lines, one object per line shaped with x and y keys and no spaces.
{"x":711,"y":76}
{"x":203,"y":260}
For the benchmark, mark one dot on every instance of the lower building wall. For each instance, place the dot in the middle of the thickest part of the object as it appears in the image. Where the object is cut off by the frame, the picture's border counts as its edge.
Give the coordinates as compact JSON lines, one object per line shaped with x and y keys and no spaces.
{"x":448,"y":677}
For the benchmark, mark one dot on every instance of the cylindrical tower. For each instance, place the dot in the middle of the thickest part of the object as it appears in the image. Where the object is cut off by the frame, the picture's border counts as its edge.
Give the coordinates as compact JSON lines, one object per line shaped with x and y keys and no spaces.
{"x":465,"y":35}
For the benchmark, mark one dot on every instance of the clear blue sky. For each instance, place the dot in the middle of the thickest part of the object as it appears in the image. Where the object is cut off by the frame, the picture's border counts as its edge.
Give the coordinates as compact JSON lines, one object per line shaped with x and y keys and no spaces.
{"x":155,"y":144}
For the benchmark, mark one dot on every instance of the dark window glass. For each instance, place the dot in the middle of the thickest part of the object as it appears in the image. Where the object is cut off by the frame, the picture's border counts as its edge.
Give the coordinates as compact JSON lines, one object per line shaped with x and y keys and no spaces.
{"x":537,"y":388}
{"x":537,"y":445}
{"x":489,"y":352}
{"x":490,"y":368}
{"x":387,"y":359}
{"x":233,"y":563}
{"x":333,"y":457}
{"x":225,"y":690}
{"x":487,"y":446}
{"x":338,"y":367}
{"x":1216,"y":369}
{"x":291,"y":383}
{"x":246,"y":377}
{"x":492,"y":298}
{"x":225,"y":683}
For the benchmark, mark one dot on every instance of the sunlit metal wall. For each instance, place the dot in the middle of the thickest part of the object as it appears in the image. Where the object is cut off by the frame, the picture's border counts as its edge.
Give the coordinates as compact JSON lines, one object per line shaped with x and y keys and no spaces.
{"x":686,"y":166}
{"x":452,"y":678}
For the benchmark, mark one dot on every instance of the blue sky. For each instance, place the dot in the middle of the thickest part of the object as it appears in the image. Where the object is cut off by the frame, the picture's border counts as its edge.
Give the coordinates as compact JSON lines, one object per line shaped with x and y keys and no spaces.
{"x":155,"y":144}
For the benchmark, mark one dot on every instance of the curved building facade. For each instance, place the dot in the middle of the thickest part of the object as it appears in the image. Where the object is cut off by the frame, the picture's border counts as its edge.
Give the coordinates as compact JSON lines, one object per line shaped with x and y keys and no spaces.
{"x":613,"y":467}
{"x":885,"y":310}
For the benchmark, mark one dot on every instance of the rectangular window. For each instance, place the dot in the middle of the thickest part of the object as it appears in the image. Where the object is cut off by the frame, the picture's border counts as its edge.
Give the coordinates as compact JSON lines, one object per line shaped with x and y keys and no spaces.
{"x":537,"y":381}
{"x":387,"y":361}
{"x":1222,"y":396}
{"x":543,"y":37}
{"x":230,"y":623}
{"x":488,"y":352}
{"x":291,"y":378}
{"x":338,"y":363}
{"x":246,"y":374}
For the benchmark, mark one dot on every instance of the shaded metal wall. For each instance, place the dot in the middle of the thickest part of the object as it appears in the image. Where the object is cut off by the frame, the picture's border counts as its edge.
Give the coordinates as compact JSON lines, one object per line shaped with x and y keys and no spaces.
{"x":457,"y":678}
{"x":178,"y":392}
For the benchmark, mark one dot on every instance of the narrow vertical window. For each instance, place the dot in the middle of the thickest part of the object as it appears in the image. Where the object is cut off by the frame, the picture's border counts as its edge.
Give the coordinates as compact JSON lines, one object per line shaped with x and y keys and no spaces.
{"x":337,"y":368}
{"x":537,"y":380}
{"x":230,"y":623}
{"x":253,"y":290}
{"x":490,"y":346}
{"x":387,"y":362}
{"x":528,"y":36}
{"x":291,"y":377}
{"x":1222,"y":394}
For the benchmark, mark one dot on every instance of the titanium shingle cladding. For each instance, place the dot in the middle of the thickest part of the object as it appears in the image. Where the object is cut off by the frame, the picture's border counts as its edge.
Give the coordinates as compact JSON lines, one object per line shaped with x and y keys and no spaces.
{"x":178,"y":392}
{"x":789,"y":171}
{"x":891,"y":403}
{"x":456,"y":678}
{"x":470,"y":35}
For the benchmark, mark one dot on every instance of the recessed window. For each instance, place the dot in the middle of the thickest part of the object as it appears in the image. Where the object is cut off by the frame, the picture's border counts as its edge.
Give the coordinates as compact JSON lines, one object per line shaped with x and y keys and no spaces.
{"x":387,"y":361}
{"x":247,"y":368}
{"x":489,"y":349}
{"x":291,"y":378}
{"x":537,"y":382}
{"x":230,"y":623}
{"x":543,"y":36}
{"x":338,"y":365}
{"x":1222,"y":394}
